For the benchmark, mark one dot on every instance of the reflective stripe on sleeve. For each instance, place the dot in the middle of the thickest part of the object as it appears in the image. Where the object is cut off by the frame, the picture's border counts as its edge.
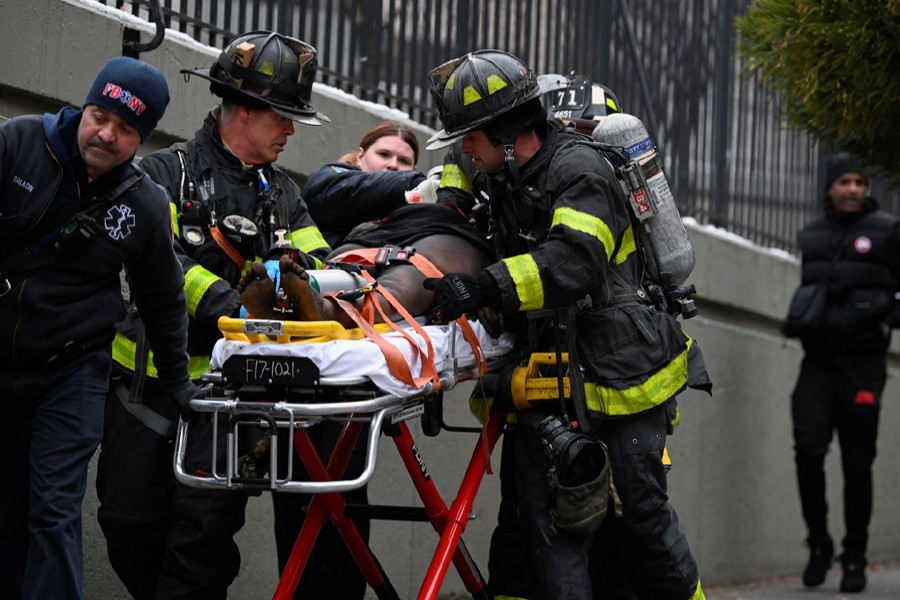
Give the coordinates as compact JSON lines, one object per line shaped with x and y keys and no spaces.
{"x":453,"y":177}
{"x":196,"y":281}
{"x":525,"y":274}
{"x":308,"y":239}
{"x":585,"y":223}
{"x":124,"y":351}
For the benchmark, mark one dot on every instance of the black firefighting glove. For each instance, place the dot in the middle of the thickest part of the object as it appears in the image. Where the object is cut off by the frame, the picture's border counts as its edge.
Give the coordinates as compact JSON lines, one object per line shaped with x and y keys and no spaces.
{"x":182,"y":400}
{"x":457,"y":294}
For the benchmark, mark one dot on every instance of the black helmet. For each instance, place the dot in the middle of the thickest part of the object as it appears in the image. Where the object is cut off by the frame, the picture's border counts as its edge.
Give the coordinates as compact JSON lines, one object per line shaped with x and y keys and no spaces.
{"x":583,"y":101}
{"x":267,"y":67}
{"x":472,"y":90}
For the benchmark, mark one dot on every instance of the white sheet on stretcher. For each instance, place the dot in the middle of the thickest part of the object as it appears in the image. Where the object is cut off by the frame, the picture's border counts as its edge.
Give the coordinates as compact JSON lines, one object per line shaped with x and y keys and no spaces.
{"x":363,"y":358}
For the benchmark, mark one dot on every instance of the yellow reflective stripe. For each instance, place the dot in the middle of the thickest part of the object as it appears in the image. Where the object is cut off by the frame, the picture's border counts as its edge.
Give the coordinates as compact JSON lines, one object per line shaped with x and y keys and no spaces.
{"x":627,"y":248}
{"x":470,"y":95}
{"x":585,"y":223}
{"x":453,"y":176}
{"x":495,"y":83}
{"x":266,"y":67}
{"x":698,"y":595}
{"x":477,"y":408}
{"x":307,"y":239}
{"x":451,"y":81}
{"x":197,"y":365}
{"x":173,"y":212}
{"x":658,"y":388}
{"x":196,"y":281}
{"x":125,"y":350}
{"x":525,"y":274}
{"x":677,"y":418}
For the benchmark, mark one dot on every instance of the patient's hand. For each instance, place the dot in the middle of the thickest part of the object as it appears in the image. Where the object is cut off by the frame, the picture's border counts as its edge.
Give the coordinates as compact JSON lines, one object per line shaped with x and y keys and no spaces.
{"x":257,"y":292}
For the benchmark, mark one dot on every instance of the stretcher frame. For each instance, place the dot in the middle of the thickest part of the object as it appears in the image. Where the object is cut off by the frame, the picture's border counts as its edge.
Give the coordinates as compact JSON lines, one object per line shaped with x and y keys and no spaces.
{"x":327,"y":483}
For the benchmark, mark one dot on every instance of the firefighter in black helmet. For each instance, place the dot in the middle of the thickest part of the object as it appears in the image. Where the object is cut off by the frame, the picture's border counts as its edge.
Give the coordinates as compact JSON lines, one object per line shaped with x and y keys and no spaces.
{"x":166,"y":540}
{"x":269,"y":68}
{"x":583,"y":103}
{"x":489,"y":90}
{"x":563,"y":232}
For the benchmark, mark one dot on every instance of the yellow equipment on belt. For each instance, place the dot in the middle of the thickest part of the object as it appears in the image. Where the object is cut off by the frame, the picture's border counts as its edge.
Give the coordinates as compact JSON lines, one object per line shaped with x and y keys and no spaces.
{"x":537,"y":382}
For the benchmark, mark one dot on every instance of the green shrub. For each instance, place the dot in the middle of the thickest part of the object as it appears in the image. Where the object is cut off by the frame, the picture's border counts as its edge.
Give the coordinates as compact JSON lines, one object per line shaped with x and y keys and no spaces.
{"x":835,"y":66}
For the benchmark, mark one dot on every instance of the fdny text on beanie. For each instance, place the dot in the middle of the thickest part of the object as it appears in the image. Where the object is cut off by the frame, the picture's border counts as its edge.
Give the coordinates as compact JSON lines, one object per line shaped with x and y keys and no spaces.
{"x":839,"y":164}
{"x":132,"y":89}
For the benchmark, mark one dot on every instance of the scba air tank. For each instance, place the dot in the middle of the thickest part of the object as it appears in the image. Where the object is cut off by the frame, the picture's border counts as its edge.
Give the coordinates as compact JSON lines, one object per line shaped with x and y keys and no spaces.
{"x":647,"y":189}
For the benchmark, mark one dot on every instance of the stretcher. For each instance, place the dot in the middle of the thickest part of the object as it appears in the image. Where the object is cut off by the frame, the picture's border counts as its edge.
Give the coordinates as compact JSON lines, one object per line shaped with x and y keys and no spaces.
{"x":268,"y":377}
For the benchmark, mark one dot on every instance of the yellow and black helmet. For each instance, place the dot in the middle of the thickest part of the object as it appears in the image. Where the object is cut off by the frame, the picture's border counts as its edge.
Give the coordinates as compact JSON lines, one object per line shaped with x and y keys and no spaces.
{"x":473,"y":90}
{"x":269,"y":68}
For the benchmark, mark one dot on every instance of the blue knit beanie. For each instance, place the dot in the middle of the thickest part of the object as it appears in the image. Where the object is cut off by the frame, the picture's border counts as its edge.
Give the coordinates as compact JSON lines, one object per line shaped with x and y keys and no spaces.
{"x":132,"y":89}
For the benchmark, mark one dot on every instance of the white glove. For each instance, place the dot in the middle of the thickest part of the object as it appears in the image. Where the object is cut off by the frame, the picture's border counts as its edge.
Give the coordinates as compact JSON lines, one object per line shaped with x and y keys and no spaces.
{"x":426,"y":191}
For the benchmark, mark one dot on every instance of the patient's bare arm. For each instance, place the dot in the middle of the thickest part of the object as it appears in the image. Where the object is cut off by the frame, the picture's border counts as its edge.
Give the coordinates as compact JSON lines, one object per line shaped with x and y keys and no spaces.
{"x":449,"y":254}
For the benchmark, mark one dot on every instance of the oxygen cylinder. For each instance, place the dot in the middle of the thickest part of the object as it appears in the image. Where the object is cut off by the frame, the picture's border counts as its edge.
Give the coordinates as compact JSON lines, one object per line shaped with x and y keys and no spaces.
{"x":651,"y":200}
{"x":331,"y":281}
{"x":324,"y":281}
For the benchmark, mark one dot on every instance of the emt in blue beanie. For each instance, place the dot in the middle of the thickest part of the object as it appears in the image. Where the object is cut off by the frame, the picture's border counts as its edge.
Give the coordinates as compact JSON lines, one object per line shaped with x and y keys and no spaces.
{"x":75,"y":211}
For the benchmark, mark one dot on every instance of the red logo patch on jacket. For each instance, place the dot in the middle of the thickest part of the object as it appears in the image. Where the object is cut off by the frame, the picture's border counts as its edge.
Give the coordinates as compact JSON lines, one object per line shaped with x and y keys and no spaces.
{"x":862,"y":244}
{"x":865,"y":398}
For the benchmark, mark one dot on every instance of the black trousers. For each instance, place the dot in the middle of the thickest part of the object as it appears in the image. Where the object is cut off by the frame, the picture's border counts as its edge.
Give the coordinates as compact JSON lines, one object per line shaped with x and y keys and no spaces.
{"x":168,"y":541}
{"x":650,"y":548}
{"x":508,"y":571}
{"x":838,"y":394}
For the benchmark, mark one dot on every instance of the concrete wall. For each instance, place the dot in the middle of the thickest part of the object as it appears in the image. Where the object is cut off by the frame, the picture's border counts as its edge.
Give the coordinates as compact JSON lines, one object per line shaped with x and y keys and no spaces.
{"x":52,"y":49}
{"x":732,"y":480}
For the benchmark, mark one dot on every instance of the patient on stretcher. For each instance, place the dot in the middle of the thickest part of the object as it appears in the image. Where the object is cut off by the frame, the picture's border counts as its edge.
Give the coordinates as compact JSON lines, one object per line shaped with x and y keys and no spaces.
{"x":437,"y":233}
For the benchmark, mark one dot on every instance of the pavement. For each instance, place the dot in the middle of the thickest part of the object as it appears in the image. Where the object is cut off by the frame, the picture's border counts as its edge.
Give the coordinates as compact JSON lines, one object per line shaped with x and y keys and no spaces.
{"x":883,"y":584}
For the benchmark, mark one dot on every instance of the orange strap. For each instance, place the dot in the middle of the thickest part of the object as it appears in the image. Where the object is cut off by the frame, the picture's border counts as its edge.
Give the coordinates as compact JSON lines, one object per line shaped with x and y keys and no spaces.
{"x":226,"y":246}
{"x":429,"y":372}
{"x":366,"y":257}
{"x":396,"y":362}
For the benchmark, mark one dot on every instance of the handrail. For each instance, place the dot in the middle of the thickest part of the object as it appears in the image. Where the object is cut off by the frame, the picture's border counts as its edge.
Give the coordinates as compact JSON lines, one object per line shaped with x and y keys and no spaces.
{"x":131,"y":44}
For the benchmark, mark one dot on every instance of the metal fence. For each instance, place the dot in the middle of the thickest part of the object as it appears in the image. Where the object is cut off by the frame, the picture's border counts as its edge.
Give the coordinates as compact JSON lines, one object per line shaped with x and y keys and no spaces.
{"x":729,"y":159}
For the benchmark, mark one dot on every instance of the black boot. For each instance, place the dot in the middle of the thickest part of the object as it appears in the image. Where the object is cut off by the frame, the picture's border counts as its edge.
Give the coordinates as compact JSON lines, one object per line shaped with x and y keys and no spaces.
{"x":821,"y":555}
{"x":854,"y":578}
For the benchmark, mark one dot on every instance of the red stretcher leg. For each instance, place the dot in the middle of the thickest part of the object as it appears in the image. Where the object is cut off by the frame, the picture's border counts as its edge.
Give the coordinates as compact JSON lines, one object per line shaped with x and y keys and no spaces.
{"x":450,"y":523}
{"x":331,"y":505}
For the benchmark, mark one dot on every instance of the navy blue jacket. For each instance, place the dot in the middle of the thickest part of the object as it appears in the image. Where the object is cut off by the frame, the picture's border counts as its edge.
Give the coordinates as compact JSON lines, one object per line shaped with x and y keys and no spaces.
{"x":341,"y":196}
{"x":75,"y":295}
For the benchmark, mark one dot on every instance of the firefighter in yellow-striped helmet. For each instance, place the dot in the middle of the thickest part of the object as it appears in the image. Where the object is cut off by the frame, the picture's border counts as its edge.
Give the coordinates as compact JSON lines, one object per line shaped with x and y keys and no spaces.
{"x":475,"y":89}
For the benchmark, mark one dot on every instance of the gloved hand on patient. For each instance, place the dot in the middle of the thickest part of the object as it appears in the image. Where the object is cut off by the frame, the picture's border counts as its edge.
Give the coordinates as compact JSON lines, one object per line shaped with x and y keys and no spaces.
{"x":426,"y":191}
{"x":458,"y":294}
